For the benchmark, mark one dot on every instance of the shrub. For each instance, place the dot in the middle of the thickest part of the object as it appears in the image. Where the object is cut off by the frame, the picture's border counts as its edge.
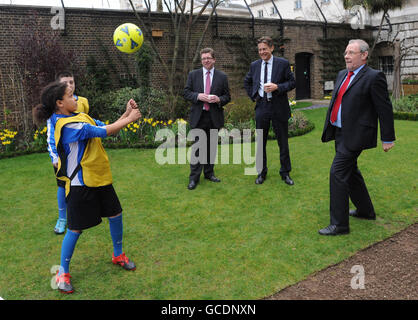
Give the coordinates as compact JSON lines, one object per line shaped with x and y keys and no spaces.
{"x":39,"y":56}
{"x":150,"y":101}
{"x":406,"y":104}
{"x":239,"y":110}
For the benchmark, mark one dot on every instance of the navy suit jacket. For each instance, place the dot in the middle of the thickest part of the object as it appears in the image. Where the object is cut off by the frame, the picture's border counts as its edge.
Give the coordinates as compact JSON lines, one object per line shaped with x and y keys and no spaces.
{"x":280,"y":75}
{"x":365,"y":101}
{"x":219,"y":87}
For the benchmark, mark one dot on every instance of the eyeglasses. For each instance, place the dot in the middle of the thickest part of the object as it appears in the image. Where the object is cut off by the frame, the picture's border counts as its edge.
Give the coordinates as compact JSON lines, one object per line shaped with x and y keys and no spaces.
{"x":350,"y":53}
{"x":204,"y":59}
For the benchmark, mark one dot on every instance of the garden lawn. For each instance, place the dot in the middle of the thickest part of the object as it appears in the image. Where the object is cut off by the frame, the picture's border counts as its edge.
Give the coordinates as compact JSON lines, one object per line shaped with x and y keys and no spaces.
{"x":228,"y":240}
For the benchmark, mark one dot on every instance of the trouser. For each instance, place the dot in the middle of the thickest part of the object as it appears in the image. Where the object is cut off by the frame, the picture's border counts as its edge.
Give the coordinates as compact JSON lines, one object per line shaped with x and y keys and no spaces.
{"x":346,"y":182}
{"x":264,"y":116}
{"x":208,"y":152}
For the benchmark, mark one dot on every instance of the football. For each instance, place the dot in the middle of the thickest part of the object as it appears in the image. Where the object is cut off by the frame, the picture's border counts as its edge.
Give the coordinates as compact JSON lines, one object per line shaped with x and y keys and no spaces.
{"x":128,"y":38}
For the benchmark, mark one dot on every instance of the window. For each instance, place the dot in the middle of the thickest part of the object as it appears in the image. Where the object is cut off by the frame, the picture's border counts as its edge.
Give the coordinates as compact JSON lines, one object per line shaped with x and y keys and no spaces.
{"x":260,"y":13}
{"x":386,"y":64}
{"x":298,"y":4}
{"x":273,"y":11}
{"x":325,"y":1}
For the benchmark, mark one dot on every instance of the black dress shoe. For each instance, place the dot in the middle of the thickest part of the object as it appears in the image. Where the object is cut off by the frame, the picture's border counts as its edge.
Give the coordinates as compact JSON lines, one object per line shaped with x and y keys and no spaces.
{"x":260,"y":179}
{"x":192,"y":185}
{"x":333,"y":230}
{"x":288,"y":180}
{"x":355,"y":214}
{"x":213,"y":179}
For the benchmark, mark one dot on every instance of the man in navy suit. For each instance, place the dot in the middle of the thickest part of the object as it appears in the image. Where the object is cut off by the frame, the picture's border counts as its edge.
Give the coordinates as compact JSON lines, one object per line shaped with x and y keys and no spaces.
{"x":267,"y":83}
{"x":360,"y":98}
{"x":207,"y":88}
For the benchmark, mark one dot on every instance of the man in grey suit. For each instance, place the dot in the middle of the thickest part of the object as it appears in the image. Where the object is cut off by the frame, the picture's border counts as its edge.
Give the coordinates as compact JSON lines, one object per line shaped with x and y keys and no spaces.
{"x":360,"y":99}
{"x":207,"y":88}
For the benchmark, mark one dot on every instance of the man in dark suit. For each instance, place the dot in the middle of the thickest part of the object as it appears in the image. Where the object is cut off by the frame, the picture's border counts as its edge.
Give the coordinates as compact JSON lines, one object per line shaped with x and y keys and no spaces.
{"x":267,"y":83}
{"x":207,"y":88}
{"x":360,"y":98}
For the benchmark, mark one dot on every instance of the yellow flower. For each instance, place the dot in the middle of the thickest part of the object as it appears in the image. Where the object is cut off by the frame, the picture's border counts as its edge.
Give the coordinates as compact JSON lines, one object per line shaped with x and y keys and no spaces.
{"x":170,"y":122}
{"x":154,"y":124}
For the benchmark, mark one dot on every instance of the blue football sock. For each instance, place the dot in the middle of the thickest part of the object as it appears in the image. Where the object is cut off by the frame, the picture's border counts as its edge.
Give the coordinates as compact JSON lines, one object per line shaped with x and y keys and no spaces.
{"x":67,"y":249}
{"x":62,"y":204}
{"x":116,"y":232}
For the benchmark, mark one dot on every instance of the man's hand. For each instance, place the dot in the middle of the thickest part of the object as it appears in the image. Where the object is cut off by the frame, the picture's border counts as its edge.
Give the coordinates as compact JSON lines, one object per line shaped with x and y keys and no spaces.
{"x":203,"y":97}
{"x":387,"y":146}
{"x":270,"y":87}
{"x":213,"y":98}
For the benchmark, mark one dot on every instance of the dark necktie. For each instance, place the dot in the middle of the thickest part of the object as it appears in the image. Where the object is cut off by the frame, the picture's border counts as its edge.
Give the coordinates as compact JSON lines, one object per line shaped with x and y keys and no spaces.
{"x":337,"y":103}
{"x":265,"y":79}
{"x":265,"y":72}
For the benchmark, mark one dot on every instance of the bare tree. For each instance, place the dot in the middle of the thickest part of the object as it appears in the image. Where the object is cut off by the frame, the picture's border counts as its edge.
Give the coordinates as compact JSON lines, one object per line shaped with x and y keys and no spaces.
{"x":184,"y":48}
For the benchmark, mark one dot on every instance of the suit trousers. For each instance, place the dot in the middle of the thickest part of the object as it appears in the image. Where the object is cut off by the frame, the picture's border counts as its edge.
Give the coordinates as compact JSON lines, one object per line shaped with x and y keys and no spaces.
{"x":346,"y":182}
{"x":205,"y":123}
{"x":263,"y":116}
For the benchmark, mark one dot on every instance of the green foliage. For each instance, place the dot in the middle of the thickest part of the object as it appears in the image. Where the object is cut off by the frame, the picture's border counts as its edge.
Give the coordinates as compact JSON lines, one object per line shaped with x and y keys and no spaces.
{"x":240,"y":110}
{"x":409,"y":81}
{"x":151,"y":102}
{"x":144,"y":59}
{"x":406,"y":104}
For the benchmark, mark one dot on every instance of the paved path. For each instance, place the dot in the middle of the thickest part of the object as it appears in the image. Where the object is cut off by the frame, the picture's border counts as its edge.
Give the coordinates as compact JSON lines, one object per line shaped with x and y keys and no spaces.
{"x":314,"y":106}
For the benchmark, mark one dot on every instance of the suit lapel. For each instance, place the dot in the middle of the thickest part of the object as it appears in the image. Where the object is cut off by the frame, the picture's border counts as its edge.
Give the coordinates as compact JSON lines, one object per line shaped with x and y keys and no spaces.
{"x":338,"y":83}
{"x":215,"y":78}
{"x":200,"y":81}
{"x":275,"y":70}
{"x":258,"y":71}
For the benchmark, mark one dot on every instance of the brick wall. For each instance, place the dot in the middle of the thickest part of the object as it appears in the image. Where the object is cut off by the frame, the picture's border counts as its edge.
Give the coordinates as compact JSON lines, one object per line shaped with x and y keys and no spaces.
{"x":85,"y":26}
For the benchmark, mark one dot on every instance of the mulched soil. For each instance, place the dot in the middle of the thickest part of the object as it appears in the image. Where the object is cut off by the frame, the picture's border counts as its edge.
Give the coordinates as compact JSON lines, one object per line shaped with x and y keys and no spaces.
{"x":390,"y":273}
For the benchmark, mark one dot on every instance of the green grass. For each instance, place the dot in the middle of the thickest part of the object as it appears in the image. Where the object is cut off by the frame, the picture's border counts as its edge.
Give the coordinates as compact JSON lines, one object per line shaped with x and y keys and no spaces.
{"x":232,"y":240}
{"x":301,"y":104}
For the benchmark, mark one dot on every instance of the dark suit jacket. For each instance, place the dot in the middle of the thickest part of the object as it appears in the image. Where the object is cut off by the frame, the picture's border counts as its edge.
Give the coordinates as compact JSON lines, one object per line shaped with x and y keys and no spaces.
{"x":280,"y":75}
{"x":219,"y":87}
{"x":365,"y":100}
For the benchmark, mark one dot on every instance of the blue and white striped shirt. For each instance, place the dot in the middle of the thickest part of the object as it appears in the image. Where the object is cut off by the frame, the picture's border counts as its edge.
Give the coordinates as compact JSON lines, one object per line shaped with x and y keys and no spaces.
{"x":74,"y":137}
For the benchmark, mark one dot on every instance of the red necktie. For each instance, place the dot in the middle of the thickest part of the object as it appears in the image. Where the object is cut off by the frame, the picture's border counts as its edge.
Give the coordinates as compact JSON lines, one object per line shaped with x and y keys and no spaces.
{"x":337,"y":103}
{"x":207,"y":89}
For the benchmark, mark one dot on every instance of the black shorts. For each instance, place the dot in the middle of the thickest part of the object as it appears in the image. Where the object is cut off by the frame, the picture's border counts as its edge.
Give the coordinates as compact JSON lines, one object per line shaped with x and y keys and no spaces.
{"x":60,"y":183}
{"x":86,"y":206}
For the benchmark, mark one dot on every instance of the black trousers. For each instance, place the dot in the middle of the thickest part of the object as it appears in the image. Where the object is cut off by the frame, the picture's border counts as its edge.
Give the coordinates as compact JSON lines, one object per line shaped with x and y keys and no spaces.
{"x":196,"y":166}
{"x":346,"y":182}
{"x":263,"y":116}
